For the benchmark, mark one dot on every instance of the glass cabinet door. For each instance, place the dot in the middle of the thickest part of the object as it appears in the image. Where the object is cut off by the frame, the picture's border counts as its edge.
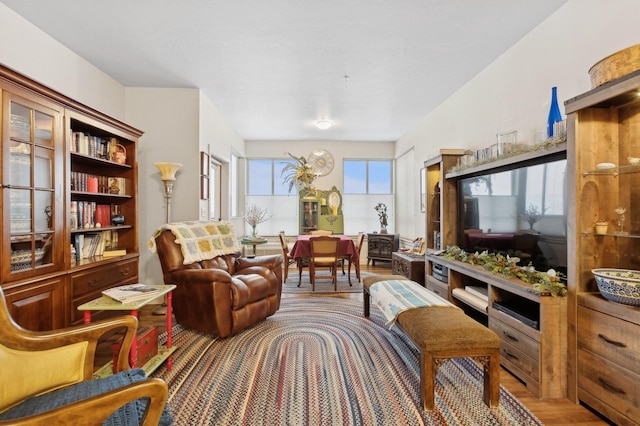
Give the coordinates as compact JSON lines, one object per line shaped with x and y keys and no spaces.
{"x":29,"y":194}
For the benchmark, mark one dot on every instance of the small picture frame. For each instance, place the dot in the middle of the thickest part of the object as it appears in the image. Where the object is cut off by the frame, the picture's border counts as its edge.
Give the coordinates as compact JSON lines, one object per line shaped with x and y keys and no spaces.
{"x":204,"y":164}
{"x":418,"y":246}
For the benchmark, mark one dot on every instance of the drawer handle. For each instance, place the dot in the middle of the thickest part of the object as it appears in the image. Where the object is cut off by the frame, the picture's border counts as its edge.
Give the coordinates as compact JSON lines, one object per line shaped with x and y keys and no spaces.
{"x":610,"y":387}
{"x":124,"y":272}
{"x":612,"y":342}
{"x":93,"y":283}
{"x":509,"y":336}
{"x":509,"y":354}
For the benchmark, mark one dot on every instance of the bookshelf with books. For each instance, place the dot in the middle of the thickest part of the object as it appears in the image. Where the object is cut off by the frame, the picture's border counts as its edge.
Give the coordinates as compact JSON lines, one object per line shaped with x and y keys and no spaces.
{"x":69,"y":173}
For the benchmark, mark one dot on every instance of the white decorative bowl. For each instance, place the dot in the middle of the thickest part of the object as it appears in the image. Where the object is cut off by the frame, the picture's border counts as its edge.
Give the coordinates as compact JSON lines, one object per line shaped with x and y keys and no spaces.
{"x":619,"y":285}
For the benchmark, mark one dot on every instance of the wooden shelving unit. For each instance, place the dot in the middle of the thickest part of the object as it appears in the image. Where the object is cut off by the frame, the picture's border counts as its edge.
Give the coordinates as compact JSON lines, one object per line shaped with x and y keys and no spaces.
{"x":42,"y":281}
{"x":604,"y":341}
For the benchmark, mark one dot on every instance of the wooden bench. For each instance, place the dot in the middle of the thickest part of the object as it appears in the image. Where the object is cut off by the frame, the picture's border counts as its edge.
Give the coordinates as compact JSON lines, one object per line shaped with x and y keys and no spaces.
{"x":440,"y":333}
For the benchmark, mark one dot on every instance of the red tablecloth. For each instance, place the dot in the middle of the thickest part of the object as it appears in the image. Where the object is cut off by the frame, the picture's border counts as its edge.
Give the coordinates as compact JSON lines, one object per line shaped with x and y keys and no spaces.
{"x":302,"y":247}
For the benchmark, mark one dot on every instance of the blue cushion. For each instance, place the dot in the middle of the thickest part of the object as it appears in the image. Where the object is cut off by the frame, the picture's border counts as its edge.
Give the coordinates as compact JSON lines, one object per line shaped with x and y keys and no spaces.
{"x":127,"y":415}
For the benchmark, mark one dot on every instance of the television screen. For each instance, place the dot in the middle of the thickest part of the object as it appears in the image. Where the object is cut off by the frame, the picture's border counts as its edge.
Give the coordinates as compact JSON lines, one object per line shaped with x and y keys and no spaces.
{"x":520,"y":212}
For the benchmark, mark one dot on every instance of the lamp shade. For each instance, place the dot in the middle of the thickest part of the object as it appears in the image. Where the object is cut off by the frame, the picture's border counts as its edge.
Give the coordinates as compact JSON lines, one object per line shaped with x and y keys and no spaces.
{"x":168,"y":170}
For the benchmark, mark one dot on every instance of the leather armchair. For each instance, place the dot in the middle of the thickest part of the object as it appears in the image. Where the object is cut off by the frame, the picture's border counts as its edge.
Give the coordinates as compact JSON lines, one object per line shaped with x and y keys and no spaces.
{"x":47,"y":377}
{"x":223,"y":295}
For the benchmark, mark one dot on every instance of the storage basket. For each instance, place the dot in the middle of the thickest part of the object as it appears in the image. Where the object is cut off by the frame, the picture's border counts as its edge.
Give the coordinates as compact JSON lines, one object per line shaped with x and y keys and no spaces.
{"x":615,"y":66}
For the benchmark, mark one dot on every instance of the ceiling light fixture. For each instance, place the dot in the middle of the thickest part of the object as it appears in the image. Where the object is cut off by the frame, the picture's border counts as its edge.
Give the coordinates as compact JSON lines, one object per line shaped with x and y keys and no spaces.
{"x":323,"y":124}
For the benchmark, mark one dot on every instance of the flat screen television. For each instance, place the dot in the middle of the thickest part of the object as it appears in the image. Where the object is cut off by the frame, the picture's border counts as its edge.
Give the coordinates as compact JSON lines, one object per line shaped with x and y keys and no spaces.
{"x":521,"y":212}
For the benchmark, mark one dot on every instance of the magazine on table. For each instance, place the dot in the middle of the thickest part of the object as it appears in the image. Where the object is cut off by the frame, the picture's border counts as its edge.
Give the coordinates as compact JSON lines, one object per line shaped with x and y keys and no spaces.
{"x":131,"y":293}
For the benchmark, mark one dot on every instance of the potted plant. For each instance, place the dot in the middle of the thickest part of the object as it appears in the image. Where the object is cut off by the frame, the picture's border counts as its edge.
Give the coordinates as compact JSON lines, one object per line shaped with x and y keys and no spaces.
{"x":299,"y":174}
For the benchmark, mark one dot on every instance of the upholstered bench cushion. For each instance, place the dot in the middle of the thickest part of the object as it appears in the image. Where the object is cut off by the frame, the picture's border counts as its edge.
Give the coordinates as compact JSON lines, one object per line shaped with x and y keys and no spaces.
{"x":127,"y":415}
{"x":439,"y":328}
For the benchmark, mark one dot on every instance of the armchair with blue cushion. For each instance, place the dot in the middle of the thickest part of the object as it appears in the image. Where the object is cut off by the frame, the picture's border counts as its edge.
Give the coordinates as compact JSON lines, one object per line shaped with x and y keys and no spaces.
{"x":46,"y":378}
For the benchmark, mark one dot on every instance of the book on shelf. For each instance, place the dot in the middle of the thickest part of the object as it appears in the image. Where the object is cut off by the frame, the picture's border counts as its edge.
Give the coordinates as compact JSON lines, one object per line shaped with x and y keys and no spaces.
{"x":478,"y":291}
{"x":131,"y":293}
{"x":113,"y":253}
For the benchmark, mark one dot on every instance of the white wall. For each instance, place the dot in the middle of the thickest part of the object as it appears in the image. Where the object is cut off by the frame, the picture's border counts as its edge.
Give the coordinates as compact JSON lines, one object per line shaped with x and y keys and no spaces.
{"x":30,"y":51}
{"x":514,"y":92}
{"x":169,"y":118}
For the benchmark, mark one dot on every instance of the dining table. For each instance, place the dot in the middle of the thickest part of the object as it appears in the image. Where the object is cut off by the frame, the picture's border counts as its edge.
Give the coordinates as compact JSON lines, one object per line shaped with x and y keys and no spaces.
{"x":301,"y":250}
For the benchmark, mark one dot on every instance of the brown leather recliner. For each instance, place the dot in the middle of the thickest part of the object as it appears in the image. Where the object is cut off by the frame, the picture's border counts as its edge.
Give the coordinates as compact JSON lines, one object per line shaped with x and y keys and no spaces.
{"x":224,"y":295}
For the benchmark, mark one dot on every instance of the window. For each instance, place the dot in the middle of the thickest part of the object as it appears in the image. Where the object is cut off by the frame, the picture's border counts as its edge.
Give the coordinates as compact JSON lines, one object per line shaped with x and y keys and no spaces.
{"x":266,"y":190}
{"x":264,"y":176}
{"x":367,"y":176}
{"x":215,"y":179}
{"x":234,"y":184}
{"x":366,"y":183}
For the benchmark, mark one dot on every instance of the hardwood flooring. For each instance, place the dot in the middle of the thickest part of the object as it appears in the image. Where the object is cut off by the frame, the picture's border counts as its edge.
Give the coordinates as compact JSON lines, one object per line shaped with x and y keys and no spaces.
{"x":554,"y":412}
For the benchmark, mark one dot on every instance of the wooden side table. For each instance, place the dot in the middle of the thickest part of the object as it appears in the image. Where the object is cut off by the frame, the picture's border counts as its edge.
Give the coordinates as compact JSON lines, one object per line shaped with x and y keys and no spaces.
{"x":408,"y":265}
{"x":105,"y":303}
{"x":252,"y":242}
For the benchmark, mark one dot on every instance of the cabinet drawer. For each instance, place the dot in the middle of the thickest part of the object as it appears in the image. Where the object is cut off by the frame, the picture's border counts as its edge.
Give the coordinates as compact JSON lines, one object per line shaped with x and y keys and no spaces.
{"x":515,"y":338}
{"x":610,"y":337}
{"x":613,"y":386}
{"x":512,"y":355}
{"x":99,"y":278}
{"x":441,"y":290}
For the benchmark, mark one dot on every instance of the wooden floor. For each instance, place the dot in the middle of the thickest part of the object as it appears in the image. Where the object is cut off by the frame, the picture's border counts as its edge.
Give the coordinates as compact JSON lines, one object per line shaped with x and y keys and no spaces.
{"x":550,"y":412}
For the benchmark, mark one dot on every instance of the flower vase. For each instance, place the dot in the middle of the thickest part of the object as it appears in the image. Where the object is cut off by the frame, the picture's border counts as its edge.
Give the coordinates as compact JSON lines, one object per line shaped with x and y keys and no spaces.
{"x":554,"y":113}
{"x":254,"y":232}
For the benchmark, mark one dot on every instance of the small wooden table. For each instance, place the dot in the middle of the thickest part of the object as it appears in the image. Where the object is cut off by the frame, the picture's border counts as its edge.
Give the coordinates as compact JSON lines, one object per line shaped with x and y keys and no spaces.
{"x":252,"y":242}
{"x":105,"y":303}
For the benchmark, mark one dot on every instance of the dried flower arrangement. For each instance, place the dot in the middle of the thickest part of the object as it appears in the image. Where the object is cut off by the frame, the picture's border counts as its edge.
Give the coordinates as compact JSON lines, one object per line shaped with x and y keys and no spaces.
{"x":299,"y":174}
{"x":254,"y":216}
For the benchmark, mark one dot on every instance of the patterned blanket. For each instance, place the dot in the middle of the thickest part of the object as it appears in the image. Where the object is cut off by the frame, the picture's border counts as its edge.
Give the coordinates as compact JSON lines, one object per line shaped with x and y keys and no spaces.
{"x":200,"y":240}
{"x":396,"y":296}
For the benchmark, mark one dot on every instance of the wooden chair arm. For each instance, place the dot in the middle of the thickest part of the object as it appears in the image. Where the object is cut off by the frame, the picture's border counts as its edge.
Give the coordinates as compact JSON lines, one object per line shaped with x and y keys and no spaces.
{"x":95,"y":410}
{"x":18,"y":338}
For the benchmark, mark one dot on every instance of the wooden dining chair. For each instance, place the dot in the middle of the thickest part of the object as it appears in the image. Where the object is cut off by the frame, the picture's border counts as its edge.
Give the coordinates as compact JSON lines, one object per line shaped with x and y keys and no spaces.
{"x":324,"y":254}
{"x":321,"y":232}
{"x":285,"y":252}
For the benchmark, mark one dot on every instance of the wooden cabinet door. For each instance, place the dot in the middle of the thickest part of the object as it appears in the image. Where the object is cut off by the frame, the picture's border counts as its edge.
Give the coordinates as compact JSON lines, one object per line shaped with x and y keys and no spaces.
{"x":38,"y":306}
{"x":32,"y":179}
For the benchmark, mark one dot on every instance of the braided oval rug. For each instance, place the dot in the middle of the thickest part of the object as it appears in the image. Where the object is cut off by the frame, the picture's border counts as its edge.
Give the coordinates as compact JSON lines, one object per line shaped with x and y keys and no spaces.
{"x":318,"y":361}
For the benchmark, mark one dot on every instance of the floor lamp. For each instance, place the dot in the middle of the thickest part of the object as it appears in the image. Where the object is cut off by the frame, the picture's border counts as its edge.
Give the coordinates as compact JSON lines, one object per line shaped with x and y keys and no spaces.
{"x":168,"y":176}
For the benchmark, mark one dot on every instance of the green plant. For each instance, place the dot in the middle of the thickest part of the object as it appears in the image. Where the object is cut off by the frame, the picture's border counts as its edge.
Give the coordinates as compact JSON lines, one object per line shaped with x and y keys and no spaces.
{"x":508,"y":267}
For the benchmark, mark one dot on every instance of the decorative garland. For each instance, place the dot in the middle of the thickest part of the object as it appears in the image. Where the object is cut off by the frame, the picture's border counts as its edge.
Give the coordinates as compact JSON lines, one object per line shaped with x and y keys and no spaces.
{"x":522,"y":149}
{"x":507,"y":267}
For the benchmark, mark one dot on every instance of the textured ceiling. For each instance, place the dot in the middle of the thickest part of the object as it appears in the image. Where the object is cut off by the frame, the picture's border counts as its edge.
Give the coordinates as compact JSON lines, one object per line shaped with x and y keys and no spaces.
{"x":272,"y":68}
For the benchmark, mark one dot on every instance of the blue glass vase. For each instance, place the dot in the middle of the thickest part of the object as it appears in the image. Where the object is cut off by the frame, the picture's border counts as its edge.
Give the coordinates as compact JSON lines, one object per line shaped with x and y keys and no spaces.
{"x":554,"y":112}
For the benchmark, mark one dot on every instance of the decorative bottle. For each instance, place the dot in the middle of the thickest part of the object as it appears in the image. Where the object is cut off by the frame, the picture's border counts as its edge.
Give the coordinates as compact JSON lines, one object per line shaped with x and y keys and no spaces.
{"x":554,"y":112}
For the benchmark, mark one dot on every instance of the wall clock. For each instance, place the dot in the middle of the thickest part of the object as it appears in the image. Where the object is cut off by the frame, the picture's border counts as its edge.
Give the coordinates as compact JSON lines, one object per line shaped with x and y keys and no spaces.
{"x":322,"y":161}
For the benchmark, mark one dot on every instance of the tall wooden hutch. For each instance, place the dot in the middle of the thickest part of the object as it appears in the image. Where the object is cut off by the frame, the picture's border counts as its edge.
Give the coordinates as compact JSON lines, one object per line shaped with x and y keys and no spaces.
{"x":603,"y":126}
{"x":44,"y":181}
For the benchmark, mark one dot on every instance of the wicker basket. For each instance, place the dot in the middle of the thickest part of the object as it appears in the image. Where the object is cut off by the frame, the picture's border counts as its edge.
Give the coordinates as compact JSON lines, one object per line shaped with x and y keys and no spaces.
{"x":615,"y":66}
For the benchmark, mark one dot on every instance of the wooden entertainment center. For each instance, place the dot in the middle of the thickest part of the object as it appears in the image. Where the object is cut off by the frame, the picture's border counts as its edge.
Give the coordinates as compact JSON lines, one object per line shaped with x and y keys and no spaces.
{"x":531,"y":325}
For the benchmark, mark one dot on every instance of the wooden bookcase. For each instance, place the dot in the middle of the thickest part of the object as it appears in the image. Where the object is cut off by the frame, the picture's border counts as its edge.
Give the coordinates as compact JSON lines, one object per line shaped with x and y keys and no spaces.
{"x":440,"y":208}
{"x":42,"y":281}
{"x":603,"y":126}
